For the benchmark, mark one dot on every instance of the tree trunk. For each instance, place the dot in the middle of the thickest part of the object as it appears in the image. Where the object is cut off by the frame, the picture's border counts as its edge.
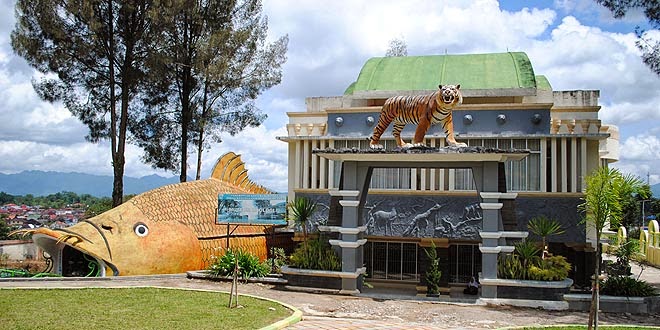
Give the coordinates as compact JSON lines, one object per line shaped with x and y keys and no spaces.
{"x":117,"y":163}
{"x":202,"y":125}
{"x":186,"y":90}
{"x":595,"y":297}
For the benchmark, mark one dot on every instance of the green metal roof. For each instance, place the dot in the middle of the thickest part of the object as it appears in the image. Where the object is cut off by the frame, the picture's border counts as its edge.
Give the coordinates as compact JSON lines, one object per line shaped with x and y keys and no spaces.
{"x":504,"y":71}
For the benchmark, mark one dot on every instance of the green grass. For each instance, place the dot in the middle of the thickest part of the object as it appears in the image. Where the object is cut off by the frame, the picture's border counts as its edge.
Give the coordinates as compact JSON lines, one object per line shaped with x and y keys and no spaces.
{"x":132,"y":308}
{"x":583,"y":327}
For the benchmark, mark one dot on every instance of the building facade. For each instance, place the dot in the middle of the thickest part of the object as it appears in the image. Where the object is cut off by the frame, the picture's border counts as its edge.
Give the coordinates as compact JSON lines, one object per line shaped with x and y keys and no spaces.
{"x":506,"y":106}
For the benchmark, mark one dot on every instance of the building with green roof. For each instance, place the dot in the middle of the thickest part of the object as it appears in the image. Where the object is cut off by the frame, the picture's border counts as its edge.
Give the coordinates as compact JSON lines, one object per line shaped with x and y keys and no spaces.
{"x":506,"y":105}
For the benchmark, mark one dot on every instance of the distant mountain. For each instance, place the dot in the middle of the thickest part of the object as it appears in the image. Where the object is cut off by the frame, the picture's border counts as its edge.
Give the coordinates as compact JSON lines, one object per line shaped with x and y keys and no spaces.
{"x":655,"y":189}
{"x":40,"y":183}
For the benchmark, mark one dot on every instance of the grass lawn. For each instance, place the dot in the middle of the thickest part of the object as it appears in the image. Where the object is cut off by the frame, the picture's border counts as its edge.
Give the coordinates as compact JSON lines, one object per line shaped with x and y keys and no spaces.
{"x":132,"y":308}
{"x":582,"y":327}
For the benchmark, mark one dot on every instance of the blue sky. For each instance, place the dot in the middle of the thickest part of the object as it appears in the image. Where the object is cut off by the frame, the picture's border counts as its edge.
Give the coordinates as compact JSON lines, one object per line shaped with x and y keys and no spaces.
{"x":575,"y":44}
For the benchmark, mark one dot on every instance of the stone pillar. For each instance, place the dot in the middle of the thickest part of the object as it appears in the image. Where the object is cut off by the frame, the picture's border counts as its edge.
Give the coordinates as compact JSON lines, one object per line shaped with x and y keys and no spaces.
{"x":353,"y":191}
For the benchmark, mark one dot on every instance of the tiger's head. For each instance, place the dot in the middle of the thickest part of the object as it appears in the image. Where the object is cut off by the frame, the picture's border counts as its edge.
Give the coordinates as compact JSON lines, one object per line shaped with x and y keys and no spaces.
{"x":448,"y":96}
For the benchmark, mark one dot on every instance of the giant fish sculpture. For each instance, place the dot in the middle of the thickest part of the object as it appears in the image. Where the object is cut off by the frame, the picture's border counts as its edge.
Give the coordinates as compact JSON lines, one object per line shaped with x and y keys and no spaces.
{"x":171,"y":229}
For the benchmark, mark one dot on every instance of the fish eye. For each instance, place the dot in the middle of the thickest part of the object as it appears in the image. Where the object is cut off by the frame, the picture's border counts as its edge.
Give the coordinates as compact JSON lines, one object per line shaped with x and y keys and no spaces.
{"x":141,"y":229}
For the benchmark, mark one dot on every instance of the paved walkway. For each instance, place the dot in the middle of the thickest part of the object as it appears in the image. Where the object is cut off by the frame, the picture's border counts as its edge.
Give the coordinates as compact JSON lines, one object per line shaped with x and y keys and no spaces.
{"x":346,"y":312}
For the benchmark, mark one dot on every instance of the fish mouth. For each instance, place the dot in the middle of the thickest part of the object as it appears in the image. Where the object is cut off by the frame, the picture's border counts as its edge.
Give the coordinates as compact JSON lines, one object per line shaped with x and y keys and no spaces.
{"x":69,"y":255}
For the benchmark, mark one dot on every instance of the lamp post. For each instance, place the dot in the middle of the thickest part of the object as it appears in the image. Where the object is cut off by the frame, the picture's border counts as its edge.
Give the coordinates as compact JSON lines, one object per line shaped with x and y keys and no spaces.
{"x":643,"y":213}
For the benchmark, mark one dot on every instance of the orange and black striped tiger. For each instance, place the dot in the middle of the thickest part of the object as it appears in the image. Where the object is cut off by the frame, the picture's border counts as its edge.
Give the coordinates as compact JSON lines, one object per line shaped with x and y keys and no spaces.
{"x":422,"y":110}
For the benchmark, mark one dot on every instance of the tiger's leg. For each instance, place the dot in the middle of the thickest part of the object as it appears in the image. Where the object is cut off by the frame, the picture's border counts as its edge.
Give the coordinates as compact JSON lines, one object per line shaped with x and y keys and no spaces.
{"x":448,"y":126}
{"x":421,"y":130}
{"x":396,"y":132}
{"x":380,"y":128}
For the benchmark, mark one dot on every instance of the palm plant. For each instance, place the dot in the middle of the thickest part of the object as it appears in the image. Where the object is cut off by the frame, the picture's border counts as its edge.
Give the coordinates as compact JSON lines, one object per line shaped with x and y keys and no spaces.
{"x":544,"y":227}
{"x":301,"y":211}
{"x":528,"y":254}
{"x":606,"y":189}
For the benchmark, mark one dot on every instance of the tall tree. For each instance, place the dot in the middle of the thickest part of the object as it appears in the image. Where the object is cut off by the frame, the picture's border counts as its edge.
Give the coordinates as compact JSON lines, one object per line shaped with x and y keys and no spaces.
{"x":649,"y":47}
{"x":603,"y":202}
{"x":397,"y":47}
{"x":90,"y":53}
{"x":215,"y":55}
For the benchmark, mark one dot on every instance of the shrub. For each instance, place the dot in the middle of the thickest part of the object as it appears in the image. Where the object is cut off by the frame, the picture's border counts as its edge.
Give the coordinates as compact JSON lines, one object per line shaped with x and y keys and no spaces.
{"x":433,"y":274}
{"x":509,"y":267}
{"x":248,"y":265}
{"x":554,"y":268}
{"x":624,"y":286}
{"x":315,"y":254}
{"x":277,"y":260}
{"x":525,"y":264}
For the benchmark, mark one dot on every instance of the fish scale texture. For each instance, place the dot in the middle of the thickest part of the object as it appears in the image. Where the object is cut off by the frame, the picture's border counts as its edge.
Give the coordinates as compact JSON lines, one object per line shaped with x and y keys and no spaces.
{"x":196,"y":203}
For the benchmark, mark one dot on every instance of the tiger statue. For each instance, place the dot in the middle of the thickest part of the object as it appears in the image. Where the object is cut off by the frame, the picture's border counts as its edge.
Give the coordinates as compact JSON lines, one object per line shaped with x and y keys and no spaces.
{"x":422,"y":110}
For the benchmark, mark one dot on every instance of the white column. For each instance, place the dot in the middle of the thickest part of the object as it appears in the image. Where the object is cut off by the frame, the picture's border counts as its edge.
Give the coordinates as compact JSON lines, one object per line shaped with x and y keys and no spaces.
{"x":433,"y":170}
{"x":315,"y":161}
{"x":441,"y":172}
{"x":413,"y":179}
{"x":564,"y":166}
{"x":553,"y":165}
{"x":331,"y":167}
{"x":322,"y":168}
{"x":544,"y":170}
{"x":583,"y":162}
{"x":574,"y":160}
{"x":297,"y":164}
{"x":306,"y":156}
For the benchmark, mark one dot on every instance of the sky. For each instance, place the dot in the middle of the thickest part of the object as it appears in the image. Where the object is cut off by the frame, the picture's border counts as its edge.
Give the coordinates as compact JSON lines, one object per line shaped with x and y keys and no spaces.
{"x":576,"y":44}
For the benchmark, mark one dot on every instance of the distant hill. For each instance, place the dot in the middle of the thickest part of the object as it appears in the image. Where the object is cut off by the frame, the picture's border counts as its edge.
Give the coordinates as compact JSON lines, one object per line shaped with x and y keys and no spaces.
{"x":655,"y":189}
{"x":40,"y":183}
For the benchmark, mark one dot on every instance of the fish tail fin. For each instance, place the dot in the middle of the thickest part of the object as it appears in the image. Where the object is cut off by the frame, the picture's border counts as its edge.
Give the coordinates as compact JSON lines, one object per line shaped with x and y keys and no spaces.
{"x":231,"y":169}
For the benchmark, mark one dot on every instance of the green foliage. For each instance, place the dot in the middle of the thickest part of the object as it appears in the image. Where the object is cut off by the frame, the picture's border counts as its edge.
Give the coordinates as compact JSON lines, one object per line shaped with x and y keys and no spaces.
{"x":543,"y":227}
{"x":4,"y":229}
{"x":525,"y":264}
{"x":277,"y":260}
{"x":98,"y":207}
{"x":624,"y":286}
{"x":248,"y":265}
{"x":510,"y":267}
{"x":315,"y":254}
{"x":210,"y":62}
{"x":57,"y":200}
{"x":433,"y":273}
{"x":301,"y":211}
{"x":554,"y":268}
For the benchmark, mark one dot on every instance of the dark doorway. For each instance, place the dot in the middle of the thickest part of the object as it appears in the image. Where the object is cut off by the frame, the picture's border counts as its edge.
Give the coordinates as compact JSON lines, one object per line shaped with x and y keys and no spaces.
{"x":78,"y":264}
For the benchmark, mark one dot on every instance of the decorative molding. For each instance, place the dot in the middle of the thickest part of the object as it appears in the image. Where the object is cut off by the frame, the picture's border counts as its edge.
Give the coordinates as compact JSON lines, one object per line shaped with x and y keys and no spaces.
{"x":343,"y":230}
{"x":508,"y":249}
{"x":344,"y":193}
{"x":514,"y":234}
{"x":346,"y":244}
{"x":486,"y":249}
{"x":493,"y":235}
{"x":349,"y":203}
{"x":491,"y":206}
{"x":498,"y":195}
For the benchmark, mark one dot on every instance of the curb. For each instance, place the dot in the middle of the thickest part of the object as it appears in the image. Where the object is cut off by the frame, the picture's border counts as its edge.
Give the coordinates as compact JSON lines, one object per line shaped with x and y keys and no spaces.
{"x":605,"y":326}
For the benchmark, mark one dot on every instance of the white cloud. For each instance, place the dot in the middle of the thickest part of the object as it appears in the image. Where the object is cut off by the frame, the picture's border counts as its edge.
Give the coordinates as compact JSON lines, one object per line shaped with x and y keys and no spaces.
{"x":328,"y":44}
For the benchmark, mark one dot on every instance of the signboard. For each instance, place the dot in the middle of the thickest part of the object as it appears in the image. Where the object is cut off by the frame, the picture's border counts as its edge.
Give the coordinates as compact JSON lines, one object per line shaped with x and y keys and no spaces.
{"x":252,"y":209}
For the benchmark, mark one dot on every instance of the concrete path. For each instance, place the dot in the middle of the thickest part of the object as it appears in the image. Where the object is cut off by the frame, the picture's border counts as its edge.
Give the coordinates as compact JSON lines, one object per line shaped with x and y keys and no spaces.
{"x":321,"y":311}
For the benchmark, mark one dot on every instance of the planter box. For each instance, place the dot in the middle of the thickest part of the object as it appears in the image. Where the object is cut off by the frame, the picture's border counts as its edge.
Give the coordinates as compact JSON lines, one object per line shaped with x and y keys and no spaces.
{"x":613,"y":304}
{"x":524,"y":293}
{"x":320,"y":279}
